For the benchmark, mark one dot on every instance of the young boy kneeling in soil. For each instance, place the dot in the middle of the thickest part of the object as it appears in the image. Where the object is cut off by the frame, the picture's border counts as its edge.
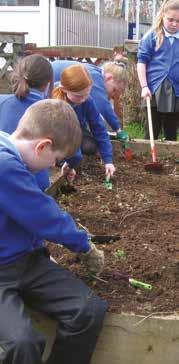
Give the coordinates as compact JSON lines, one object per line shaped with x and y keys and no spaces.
{"x":48,"y":131}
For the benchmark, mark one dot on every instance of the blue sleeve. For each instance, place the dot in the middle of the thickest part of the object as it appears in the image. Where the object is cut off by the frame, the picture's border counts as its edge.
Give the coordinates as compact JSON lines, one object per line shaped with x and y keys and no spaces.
{"x":58,"y":67}
{"x":74,"y":161}
{"x":23,"y":201}
{"x":42,"y":178}
{"x":104,"y":106}
{"x":99,"y":131}
{"x":146,"y":48}
{"x":100,"y":97}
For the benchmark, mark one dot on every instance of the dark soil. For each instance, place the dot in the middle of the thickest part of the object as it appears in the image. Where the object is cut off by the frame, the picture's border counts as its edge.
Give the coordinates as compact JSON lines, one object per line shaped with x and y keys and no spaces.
{"x":142,"y":209}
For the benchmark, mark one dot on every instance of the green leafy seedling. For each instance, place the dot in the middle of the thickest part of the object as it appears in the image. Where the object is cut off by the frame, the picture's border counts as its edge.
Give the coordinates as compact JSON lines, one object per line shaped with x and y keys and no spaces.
{"x":120,"y":254}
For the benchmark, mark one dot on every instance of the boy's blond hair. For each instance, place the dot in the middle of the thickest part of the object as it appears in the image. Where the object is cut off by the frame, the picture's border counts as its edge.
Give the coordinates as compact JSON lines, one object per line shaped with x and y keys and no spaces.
{"x":53,"y":119}
{"x":117,"y":69}
{"x":158,"y":26}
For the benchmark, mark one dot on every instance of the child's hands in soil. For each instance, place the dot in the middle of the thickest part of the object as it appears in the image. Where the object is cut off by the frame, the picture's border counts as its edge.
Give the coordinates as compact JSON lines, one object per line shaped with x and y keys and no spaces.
{"x":109,"y":170}
{"x":94,"y":259}
{"x":68,"y":173}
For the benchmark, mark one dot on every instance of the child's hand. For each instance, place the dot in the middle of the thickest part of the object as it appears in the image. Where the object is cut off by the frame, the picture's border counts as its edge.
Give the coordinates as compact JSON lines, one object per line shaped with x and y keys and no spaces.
{"x":68,"y":173}
{"x":122,"y":135}
{"x":109,"y":170}
{"x":146,"y":92}
{"x":71,"y":175}
{"x":94,"y":260}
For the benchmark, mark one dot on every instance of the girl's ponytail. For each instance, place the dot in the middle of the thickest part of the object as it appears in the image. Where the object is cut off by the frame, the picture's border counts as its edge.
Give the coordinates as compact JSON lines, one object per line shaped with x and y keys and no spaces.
{"x":33,"y":71}
{"x":19,"y":86}
{"x":58,"y":93}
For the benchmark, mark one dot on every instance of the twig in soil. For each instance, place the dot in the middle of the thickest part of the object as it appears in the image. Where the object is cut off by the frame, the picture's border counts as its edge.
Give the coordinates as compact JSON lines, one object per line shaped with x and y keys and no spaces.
{"x":153,"y":314}
{"x":61,"y":258}
{"x":114,"y":291}
{"x":98,"y":278}
{"x":131,"y":213}
{"x":53,"y":259}
{"x":131,"y":268}
{"x":84,"y":228}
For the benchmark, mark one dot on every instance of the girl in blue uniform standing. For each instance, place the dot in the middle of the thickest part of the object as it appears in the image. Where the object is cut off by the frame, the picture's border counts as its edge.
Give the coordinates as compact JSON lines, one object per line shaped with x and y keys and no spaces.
{"x":158,"y":70}
{"x":75,"y":86}
{"x":31,"y":81}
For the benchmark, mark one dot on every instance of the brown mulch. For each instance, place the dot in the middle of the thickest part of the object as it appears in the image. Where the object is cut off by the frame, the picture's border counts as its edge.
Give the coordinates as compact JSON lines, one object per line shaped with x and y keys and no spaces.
{"x":143,"y":209}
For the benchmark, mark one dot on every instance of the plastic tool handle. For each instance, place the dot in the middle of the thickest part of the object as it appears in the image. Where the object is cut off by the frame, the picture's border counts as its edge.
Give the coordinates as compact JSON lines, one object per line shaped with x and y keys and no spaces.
{"x":151,"y":130}
{"x":108,"y":183}
{"x":139,"y":284}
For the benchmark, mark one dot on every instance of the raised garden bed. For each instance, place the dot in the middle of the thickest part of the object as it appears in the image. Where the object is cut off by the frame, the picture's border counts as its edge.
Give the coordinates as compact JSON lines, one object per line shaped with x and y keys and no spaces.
{"x":142,"y":209}
{"x":141,"y":326}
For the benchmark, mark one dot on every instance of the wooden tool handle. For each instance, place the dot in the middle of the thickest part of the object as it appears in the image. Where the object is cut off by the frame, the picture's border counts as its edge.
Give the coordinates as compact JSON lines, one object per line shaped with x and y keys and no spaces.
{"x":153,"y":151}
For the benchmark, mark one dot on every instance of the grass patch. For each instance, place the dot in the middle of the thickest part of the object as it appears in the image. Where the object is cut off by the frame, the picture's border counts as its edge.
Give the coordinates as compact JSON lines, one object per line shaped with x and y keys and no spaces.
{"x":135,"y":130}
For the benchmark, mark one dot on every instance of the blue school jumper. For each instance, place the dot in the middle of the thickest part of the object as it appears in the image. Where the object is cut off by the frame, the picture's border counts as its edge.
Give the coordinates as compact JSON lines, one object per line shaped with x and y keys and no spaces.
{"x":160,"y":64}
{"x":98,"y":91}
{"x":90,"y":118}
{"x":27,"y":215}
{"x":11,"y":110}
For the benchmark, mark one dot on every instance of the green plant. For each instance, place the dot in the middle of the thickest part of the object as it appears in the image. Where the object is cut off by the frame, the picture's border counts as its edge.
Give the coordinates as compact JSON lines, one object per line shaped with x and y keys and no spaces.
{"x":120,"y":254}
{"x":135,"y":130}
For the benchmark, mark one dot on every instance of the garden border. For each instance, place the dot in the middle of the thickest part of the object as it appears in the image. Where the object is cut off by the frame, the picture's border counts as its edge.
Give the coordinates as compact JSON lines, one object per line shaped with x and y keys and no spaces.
{"x":127,"y":338}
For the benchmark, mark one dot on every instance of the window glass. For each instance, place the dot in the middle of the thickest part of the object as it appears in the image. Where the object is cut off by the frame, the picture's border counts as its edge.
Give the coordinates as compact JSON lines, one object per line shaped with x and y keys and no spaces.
{"x":19,"y":2}
{"x":64,"y":3}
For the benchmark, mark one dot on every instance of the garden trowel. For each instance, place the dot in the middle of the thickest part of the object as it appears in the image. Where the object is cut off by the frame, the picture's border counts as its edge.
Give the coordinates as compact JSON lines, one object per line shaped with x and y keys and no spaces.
{"x":132,"y":281}
{"x":102,"y":239}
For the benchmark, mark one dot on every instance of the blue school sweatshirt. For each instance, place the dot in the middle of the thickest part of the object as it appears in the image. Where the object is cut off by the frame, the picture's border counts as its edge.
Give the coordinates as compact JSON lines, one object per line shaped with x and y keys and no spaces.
{"x":160,"y":64}
{"x":28,"y":215}
{"x":90,"y":118}
{"x":98,"y":91}
{"x":11,"y":110}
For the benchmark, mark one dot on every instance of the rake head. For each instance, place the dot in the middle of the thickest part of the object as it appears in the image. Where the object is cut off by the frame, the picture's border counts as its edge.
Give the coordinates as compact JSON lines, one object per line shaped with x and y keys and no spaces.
{"x":154,"y":167}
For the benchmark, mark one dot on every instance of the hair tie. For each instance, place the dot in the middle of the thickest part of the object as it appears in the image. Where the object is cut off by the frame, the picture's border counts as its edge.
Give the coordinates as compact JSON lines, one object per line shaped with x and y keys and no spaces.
{"x":120,"y":63}
{"x":25,"y":78}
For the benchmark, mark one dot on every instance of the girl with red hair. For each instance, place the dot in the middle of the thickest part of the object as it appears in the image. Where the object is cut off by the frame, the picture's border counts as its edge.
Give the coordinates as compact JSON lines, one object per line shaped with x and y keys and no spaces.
{"x":74,"y":87}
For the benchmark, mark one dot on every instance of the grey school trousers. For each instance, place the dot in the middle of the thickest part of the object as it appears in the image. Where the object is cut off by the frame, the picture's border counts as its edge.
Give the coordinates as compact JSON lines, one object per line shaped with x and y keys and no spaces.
{"x":47,"y":287}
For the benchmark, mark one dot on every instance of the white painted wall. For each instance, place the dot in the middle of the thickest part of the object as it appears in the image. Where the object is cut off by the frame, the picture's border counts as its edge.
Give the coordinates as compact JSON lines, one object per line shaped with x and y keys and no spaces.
{"x":38,"y":21}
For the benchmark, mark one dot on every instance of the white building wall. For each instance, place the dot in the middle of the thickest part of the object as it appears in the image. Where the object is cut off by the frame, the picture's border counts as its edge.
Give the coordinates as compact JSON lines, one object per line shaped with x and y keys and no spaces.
{"x":38,"y":21}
